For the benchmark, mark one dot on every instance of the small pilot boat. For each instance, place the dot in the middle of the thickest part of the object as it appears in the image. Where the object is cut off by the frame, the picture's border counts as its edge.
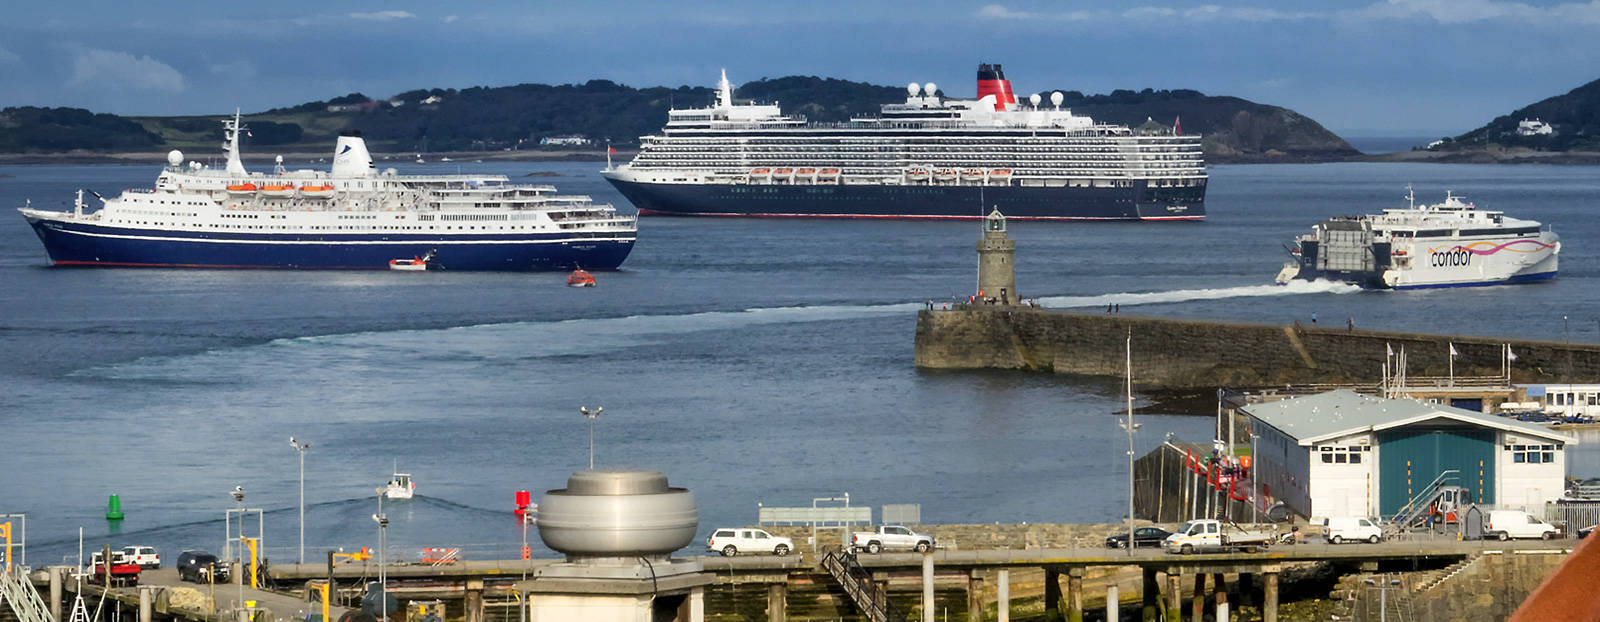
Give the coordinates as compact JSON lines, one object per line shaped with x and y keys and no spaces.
{"x":580,"y":278}
{"x":413,"y":264}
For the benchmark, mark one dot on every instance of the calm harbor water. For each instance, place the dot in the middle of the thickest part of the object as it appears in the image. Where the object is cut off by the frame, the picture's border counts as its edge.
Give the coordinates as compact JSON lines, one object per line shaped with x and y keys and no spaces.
{"x":754,"y":361}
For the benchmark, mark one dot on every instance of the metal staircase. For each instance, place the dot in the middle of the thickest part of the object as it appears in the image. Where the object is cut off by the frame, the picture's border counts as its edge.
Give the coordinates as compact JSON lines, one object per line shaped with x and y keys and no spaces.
{"x":868,"y":596}
{"x":17,"y":591}
{"x":1416,"y":509}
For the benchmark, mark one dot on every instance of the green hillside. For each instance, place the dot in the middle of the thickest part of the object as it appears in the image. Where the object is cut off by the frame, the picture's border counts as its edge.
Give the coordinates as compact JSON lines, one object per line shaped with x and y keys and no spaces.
{"x":1575,"y":117}
{"x":517,"y":117}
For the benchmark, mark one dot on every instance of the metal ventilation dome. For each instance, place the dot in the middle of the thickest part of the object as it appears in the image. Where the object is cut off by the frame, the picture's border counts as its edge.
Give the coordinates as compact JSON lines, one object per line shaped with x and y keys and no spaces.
{"x":617,"y":513}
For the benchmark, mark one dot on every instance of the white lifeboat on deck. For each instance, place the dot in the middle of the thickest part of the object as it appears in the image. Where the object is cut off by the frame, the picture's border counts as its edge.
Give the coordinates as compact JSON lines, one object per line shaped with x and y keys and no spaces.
{"x":316,"y":192}
{"x":245,"y":188}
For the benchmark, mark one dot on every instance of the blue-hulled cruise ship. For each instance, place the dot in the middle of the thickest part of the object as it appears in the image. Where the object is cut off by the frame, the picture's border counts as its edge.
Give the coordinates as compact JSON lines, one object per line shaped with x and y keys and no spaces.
{"x":350,"y":217}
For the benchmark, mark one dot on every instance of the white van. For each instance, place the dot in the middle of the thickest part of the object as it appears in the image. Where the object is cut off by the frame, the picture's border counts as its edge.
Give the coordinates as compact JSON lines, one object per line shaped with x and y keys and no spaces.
{"x":1507,"y":524}
{"x":1338,"y":529}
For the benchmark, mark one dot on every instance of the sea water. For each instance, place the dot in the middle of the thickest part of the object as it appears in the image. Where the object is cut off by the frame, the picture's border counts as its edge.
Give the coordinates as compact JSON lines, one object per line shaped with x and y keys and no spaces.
{"x":757,"y":362}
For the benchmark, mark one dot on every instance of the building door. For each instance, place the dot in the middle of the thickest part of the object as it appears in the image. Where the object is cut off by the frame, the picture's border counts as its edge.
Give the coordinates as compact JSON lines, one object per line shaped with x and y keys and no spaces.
{"x":1410,"y":459}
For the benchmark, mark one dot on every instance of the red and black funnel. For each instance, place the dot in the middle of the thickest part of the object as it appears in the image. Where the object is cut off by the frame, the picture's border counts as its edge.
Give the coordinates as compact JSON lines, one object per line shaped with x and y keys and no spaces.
{"x":992,"y":81}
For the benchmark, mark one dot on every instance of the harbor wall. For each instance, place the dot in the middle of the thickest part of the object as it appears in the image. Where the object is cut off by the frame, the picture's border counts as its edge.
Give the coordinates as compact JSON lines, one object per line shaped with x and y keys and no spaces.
{"x":1191,"y":354}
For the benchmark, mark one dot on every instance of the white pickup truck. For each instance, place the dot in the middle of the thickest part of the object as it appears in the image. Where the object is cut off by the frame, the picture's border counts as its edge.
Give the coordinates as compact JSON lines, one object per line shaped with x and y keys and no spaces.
{"x":1211,"y":536}
{"x":891,"y":538}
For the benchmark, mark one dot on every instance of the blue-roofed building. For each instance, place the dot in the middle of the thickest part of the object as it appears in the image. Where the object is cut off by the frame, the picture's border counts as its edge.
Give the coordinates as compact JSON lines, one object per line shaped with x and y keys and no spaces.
{"x":1342,"y":453}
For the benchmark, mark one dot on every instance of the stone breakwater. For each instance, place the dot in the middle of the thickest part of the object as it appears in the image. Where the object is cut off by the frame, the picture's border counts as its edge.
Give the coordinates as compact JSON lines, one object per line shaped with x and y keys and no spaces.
{"x":1192,"y":354}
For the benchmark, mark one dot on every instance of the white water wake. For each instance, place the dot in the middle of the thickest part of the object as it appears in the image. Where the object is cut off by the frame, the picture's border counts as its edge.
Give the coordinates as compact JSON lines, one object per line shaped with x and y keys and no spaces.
{"x":514,"y":341}
{"x":1294,"y":288}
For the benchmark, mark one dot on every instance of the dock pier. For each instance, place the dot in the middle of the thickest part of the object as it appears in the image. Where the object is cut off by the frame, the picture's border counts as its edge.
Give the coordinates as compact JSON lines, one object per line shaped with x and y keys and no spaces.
{"x":975,"y":583}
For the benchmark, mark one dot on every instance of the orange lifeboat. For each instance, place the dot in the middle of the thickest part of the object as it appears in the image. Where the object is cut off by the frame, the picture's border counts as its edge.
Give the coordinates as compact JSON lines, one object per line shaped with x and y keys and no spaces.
{"x":972,"y":173}
{"x":917,"y":174}
{"x":244,"y":188}
{"x":944,"y":174}
{"x":580,"y":278}
{"x":316,"y":192}
{"x":280,"y":191}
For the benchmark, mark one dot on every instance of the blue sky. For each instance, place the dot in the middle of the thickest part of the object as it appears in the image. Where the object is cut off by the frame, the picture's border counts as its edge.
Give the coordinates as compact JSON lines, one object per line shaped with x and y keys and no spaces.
{"x":1407,"y":67}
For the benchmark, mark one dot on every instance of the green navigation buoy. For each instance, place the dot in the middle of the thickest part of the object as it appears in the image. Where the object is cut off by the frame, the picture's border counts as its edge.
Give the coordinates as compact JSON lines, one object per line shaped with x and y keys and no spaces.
{"x":114,"y":508}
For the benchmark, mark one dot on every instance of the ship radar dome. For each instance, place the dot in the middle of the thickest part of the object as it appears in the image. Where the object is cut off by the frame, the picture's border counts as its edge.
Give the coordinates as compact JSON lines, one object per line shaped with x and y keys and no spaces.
{"x":1055,"y":99}
{"x":280,"y":160}
{"x":930,"y":89}
{"x":911,"y":89}
{"x":1034,"y":99}
{"x":174,"y":157}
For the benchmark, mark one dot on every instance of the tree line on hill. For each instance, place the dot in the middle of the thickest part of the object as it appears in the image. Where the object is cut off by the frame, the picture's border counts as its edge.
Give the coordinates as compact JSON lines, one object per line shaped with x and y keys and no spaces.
{"x":485,"y":118}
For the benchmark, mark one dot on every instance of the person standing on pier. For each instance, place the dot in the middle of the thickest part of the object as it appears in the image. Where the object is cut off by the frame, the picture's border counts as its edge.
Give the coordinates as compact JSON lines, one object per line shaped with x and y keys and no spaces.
{"x":1313,"y":318}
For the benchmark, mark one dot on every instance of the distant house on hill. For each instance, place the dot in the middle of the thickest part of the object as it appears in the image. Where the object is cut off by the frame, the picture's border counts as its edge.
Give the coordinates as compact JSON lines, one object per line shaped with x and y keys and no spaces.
{"x":1534,"y":127}
{"x":565,"y":141}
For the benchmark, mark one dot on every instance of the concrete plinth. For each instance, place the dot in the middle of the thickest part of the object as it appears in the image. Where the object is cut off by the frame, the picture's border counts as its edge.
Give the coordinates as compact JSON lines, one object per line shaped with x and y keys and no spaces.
{"x":1075,"y":594}
{"x":1003,"y":595}
{"x":1174,"y":597}
{"x":778,"y":602}
{"x":1113,"y":603}
{"x":974,"y":597}
{"x":55,"y":591}
{"x":927,"y":587}
{"x":1269,"y":597}
{"x":473,"y":601}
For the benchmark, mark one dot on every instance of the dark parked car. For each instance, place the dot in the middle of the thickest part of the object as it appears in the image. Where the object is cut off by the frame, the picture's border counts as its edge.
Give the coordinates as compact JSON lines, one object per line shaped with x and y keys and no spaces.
{"x":1143,"y":536}
{"x":201,"y":567}
{"x":1584,"y":533}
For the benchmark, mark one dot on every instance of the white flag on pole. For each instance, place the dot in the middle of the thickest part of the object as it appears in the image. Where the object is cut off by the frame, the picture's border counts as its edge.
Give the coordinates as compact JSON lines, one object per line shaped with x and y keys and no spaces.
{"x":1509,"y":354}
{"x":1389,"y":348}
{"x":1453,"y":350}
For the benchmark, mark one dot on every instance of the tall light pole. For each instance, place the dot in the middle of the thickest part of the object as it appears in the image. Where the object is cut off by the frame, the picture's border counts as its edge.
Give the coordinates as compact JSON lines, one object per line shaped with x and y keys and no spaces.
{"x":301,"y":449}
{"x":383,"y":576}
{"x":1130,"y":426}
{"x":238,"y":579}
{"x":592,"y":415}
{"x":1255,"y":484}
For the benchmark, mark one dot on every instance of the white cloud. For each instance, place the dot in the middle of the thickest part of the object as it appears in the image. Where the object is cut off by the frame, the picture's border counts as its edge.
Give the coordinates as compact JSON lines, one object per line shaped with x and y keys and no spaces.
{"x":996,"y":11}
{"x":105,"y":67}
{"x":383,"y":16}
{"x":8,"y":57}
{"x":1468,"y":11}
{"x":450,"y":19}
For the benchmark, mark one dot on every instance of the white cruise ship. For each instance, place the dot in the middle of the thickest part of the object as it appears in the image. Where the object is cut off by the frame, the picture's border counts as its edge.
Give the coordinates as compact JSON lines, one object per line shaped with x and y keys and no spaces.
{"x":929,"y":157}
{"x":1449,"y":244}
{"x":351,"y":217}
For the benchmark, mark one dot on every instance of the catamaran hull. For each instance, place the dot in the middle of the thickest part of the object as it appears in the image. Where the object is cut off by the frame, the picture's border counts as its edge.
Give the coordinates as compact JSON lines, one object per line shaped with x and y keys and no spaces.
{"x":86,"y":244}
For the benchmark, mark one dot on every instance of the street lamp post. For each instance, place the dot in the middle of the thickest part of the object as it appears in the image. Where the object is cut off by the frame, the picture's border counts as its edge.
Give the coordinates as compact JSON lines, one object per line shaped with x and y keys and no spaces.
{"x":591,"y":415}
{"x":383,"y":576}
{"x":1255,"y":484}
{"x":1130,"y":426}
{"x":301,"y":448}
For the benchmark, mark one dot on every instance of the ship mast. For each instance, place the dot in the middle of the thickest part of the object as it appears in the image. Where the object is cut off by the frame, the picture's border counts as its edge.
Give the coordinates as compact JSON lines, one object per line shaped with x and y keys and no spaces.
{"x":230,"y":134}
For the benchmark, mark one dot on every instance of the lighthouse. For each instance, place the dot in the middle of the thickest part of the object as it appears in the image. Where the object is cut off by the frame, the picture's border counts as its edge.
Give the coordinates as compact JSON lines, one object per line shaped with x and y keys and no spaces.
{"x":996,"y":278}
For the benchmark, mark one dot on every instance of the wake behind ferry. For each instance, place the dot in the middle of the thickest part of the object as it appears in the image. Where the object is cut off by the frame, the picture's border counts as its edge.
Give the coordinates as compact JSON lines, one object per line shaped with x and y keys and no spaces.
{"x":1449,"y":244}
{"x":930,"y":157}
{"x":351,"y":217}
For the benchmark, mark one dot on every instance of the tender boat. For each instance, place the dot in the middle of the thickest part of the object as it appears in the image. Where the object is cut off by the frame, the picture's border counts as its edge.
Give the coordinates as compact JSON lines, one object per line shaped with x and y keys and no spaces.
{"x":400,"y":487}
{"x":1448,"y":244}
{"x":278,"y":191}
{"x":414,"y":264}
{"x":580,"y":278}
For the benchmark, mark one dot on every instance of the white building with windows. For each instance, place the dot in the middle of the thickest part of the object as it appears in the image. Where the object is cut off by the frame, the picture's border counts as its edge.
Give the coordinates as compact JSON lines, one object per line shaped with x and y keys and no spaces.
{"x":1567,"y":400}
{"x":1534,"y":127}
{"x":1345,"y":454}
